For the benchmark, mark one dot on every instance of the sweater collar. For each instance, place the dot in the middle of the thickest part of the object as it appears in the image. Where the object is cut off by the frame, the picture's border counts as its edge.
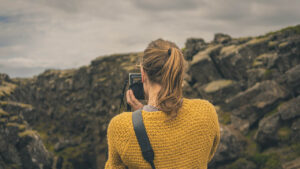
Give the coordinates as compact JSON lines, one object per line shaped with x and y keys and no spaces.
{"x":150,"y":108}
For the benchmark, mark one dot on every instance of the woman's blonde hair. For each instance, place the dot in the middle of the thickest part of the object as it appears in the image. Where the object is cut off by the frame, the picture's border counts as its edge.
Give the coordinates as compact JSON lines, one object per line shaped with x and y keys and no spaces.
{"x":164,"y":64}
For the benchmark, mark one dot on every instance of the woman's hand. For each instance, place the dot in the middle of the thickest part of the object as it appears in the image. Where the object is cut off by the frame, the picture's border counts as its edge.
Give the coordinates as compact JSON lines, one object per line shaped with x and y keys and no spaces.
{"x":132,"y":101}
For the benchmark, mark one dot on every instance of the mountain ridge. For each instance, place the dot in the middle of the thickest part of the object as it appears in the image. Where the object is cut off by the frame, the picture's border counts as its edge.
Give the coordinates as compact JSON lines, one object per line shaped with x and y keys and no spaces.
{"x":252,"y":81}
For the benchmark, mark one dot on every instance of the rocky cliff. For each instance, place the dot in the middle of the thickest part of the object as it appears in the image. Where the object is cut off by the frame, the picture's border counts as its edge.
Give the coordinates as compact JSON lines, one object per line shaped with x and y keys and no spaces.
{"x":58,"y":119}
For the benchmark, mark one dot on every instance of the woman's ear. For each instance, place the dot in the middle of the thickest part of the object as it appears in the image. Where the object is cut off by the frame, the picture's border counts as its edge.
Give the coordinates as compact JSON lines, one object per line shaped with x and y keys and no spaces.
{"x":142,"y":73}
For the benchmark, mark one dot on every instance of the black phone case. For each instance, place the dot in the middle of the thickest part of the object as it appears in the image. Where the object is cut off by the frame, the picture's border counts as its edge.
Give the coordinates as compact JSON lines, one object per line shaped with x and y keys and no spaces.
{"x":138,"y":90}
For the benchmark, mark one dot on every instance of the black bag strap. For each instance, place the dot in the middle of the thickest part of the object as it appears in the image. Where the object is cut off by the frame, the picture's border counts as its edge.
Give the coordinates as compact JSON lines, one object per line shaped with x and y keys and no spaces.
{"x":142,"y":137}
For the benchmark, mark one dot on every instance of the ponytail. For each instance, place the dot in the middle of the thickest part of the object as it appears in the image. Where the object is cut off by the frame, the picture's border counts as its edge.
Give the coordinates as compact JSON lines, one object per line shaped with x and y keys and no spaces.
{"x":163,"y":62}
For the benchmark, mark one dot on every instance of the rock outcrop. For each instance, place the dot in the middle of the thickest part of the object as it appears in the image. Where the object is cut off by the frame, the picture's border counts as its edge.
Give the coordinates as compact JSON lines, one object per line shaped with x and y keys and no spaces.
{"x":59,"y":118}
{"x":20,"y":146}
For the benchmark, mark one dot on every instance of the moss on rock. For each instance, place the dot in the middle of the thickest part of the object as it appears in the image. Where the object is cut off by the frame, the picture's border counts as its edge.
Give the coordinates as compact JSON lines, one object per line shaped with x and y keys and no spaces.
{"x":13,"y":118}
{"x":284,"y":133}
{"x":241,"y":163}
{"x":3,"y":113}
{"x":217,"y":85}
{"x":25,"y":133}
{"x":283,"y":44}
{"x":266,"y":161}
{"x":225,"y":117}
{"x":6,"y":88}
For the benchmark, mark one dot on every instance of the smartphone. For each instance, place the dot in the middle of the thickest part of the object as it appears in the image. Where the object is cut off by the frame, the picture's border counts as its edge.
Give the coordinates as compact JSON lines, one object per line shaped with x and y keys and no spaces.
{"x":136,"y":85}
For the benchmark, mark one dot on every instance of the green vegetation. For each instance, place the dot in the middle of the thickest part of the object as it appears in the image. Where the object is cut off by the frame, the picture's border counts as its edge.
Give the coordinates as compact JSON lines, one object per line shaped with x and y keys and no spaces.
{"x":13,"y":166}
{"x":229,"y":49}
{"x":260,"y":159}
{"x":74,"y":152}
{"x":23,"y":105}
{"x":296,"y":148}
{"x":284,"y":133}
{"x":3,"y":113}
{"x":252,"y":146}
{"x":225,"y":117}
{"x":258,"y":40}
{"x":238,"y":164}
{"x":283,"y":44}
{"x":271,"y":112}
{"x":27,"y":133}
{"x":183,"y":49}
{"x":275,"y":110}
{"x":268,"y":73}
{"x":257,"y":63}
{"x":273,"y":162}
{"x":7,"y":88}
{"x":48,"y":145}
{"x":272,"y":43}
{"x":69,"y":153}
{"x":3,"y":120}
{"x":296,"y":29}
{"x":101,"y":79}
{"x":43,"y":130}
{"x":21,"y":127}
{"x":13,"y":118}
{"x":266,"y":161}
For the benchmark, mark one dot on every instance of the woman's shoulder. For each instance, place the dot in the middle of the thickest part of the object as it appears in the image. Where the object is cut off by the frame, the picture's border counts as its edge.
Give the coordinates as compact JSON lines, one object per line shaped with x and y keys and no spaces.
{"x":202,"y":106}
{"x":204,"y":111}
{"x":120,"y":120}
{"x":197,"y":102}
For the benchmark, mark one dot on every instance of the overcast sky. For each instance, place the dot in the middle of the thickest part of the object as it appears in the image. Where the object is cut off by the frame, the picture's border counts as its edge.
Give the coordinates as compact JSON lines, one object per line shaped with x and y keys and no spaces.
{"x":40,"y":34}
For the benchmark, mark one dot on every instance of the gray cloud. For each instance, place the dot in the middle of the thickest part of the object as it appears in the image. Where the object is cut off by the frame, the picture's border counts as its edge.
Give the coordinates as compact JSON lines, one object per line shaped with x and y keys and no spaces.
{"x":168,"y":5}
{"x":39,"y":34}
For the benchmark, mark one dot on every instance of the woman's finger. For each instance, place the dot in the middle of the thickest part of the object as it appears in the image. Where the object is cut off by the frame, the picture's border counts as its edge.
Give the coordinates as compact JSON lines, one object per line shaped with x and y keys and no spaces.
{"x":128,"y":97}
{"x":134,"y":100}
{"x":131,"y":97}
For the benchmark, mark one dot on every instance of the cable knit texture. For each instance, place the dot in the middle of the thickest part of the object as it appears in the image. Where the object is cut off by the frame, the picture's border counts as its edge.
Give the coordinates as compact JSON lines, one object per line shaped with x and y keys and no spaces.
{"x":188,"y":141}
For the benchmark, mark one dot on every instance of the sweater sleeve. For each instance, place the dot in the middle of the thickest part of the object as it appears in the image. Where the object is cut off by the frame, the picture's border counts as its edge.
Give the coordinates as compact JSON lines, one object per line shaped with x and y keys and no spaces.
{"x":216,"y":132}
{"x":114,"y":159}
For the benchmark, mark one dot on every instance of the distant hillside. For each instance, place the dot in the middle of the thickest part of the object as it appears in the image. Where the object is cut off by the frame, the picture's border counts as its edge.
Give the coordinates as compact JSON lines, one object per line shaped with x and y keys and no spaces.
{"x":59,"y":118}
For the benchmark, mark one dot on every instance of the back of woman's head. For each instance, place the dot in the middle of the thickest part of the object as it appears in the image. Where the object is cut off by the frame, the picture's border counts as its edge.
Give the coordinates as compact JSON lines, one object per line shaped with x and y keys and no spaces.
{"x":164,"y":64}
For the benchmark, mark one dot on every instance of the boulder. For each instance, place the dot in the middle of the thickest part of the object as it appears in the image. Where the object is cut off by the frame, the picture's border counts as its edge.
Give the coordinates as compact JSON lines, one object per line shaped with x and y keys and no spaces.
{"x":260,"y":95}
{"x":296,"y":130}
{"x":32,"y":151}
{"x":252,"y":104}
{"x":266,"y":134}
{"x":286,"y":114}
{"x":193,"y":46}
{"x":219,"y":90}
{"x":234,"y":60}
{"x":265,"y":60}
{"x":203,"y":68}
{"x":222,"y":38}
{"x":294,"y":164}
{"x":290,"y":110}
{"x":20,"y":146}
{"x":4,"y":77}
{"x":256,"y":75}
{"x":188,"y":91}
{"x":293,"y":79}
{"x":230,"y":147}
{"x":288,"y":54}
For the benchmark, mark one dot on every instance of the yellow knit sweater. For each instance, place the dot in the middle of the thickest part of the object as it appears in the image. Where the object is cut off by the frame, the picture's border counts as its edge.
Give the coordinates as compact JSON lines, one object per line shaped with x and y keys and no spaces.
{"x":188,"y":141}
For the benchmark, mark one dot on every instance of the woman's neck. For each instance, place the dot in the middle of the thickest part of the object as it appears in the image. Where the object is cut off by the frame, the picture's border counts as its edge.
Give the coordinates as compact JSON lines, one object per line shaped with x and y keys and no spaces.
{"x":153,"y":92}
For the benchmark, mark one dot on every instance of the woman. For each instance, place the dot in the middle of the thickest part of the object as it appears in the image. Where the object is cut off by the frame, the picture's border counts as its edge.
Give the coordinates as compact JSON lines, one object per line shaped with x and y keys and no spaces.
{"x":184,"y":133}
